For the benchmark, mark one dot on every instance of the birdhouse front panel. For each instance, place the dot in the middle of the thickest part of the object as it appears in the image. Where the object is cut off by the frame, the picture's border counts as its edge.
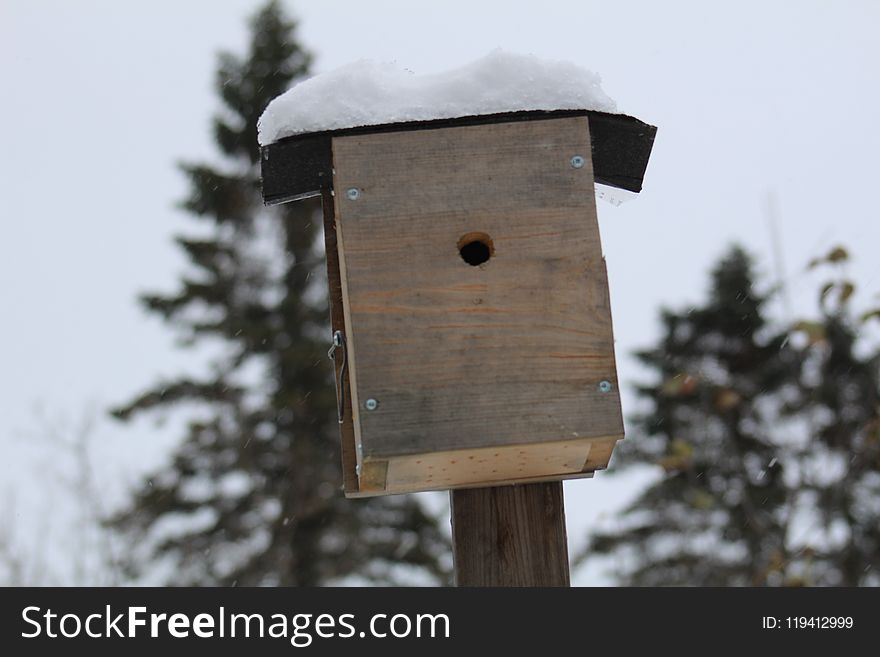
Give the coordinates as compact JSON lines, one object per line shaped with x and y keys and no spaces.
{"x":477,"y":319}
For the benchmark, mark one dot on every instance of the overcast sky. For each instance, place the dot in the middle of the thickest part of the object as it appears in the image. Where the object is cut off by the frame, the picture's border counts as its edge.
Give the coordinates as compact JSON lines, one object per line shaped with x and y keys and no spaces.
{"x":100,"y":99}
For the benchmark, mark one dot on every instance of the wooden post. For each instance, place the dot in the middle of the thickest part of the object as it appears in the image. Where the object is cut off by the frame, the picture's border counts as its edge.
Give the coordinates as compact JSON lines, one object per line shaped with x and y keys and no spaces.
{"x":510,"y":536}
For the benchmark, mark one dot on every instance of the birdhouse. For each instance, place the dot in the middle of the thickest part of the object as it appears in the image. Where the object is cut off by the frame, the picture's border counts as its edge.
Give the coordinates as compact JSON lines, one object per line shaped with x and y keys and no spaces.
{"x":470,"y":308}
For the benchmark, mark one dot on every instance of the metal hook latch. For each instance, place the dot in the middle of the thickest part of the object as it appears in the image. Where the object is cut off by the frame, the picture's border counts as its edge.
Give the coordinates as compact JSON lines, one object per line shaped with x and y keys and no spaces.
{"x":339,"y":343}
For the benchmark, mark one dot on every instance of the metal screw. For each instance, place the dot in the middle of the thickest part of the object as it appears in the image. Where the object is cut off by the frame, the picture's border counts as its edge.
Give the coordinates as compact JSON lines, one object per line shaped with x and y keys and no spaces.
{"x":578,"y":161}
{"x":604,"y":386}
{"x":371,"y":404}
{"x":353,"y":194}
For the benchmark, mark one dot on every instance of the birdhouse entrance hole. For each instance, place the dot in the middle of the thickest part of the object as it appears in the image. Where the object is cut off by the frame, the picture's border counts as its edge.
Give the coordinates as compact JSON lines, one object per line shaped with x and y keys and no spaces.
{"x":476,"y":248}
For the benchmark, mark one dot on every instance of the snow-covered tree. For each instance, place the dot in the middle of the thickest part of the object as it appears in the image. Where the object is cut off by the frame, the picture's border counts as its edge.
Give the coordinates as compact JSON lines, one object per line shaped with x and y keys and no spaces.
{"x":768,"y":441}
{"x":252,"y":495}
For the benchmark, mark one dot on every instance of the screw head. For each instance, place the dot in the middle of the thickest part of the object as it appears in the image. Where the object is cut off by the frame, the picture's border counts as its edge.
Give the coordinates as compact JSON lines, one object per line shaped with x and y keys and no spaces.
{"x":353,"y":194}
{"x":578,"y":161}
{"x":371,"y":404}
{"x":604,"y":386}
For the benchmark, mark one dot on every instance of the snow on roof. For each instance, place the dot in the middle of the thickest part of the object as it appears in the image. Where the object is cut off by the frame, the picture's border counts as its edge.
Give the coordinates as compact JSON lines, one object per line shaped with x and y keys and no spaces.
{"x":372,"y":93}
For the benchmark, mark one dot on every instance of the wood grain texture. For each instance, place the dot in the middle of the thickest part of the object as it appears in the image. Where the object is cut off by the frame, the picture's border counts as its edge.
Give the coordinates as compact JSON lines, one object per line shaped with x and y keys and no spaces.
{"x":600,"y":455}
{"x":510,"y":536}
{"x":374,"y":477}
{"x":507,"y":353}
{"x":337,"y":322}
{"x":391,"y":489}
{"x":487,"y":465}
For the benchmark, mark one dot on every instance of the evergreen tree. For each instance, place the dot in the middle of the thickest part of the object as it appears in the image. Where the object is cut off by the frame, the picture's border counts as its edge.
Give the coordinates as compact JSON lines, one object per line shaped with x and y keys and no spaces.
{"x":838,"y":477}
{"x":717,"y":516}
{"x":769,"y":443}
{"x":252,"y":495}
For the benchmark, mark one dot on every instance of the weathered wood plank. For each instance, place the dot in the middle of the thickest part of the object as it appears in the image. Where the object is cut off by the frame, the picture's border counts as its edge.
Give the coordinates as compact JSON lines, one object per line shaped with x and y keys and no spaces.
{"x":600,"y":455}
{"x":301,"y":166}
{"x":337,"y":322}
{"x":461,"y":357}
{"x":510,"y":536}
{"x":350,"y":342}
{"x":487,"y":465}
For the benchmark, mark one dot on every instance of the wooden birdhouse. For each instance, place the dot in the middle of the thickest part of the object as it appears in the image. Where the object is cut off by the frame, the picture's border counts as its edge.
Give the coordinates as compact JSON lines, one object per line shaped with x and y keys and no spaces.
{"x":468,"y":292}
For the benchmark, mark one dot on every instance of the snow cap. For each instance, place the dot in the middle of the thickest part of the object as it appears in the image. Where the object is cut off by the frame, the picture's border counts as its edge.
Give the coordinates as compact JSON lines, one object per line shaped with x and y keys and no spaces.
{"x":371,"y":93}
